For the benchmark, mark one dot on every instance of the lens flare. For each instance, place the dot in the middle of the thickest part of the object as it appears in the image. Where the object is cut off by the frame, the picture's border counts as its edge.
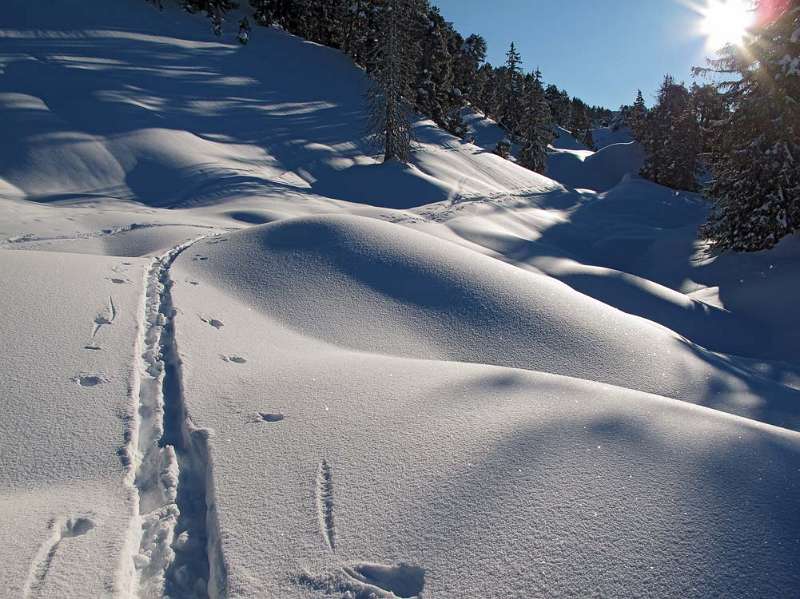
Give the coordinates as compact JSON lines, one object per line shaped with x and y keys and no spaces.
{"x":726,"y":21}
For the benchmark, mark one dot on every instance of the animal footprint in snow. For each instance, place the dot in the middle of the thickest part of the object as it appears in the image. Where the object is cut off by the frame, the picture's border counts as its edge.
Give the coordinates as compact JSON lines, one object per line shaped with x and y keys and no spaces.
{"x":234,"y":359}
{"x":325,"y":504}
{"x":89,"y":380}
{"x":60,"y":529}
{"x":367,"y":580}
{"x":217,"y":324}
{"x":269,"y":417}
{"x":105,"y":317}
{"x":401,"y":580}
{"x":76,"y":527}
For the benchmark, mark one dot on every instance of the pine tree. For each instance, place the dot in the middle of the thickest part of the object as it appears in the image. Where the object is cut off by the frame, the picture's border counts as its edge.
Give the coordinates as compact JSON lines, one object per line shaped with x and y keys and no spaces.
{"x":244,"y":31}
{"x":581,"y":123}
{"x":263,"y":12}
{"x":538,"y":127}
{"x":637,"y":116}
{"x":559,"y":104}
{"x":510,"y":109}
{"x":470,"y":57}
{"x":503,"y":148}
{"x":390,"y":121}
{"x":755,"y":156}
{"x":434,"y":96}
{"x":671,"y":138}
{"x":487,"y":97}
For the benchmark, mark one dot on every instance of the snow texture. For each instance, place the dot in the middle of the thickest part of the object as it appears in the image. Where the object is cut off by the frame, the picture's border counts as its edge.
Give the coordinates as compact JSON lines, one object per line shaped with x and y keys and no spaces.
{"x":244,"y":358}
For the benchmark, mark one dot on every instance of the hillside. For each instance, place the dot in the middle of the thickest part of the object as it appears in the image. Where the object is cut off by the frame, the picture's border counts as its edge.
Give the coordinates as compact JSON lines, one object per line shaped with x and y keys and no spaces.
{"x":244,"y":358}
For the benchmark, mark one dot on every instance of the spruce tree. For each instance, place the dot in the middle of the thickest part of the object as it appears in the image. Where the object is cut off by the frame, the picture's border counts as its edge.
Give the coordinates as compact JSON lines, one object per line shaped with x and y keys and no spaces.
{"x":390,"y":119}
{"x":581,"y":123}
{"x":755,"y":158}
{"x":470,"y":57}
{"x":263,"y":12}
{"x":538,"y":130}
{"x":559,"y":104}
{"x":671,"y":138}
{"x":510,"y":109}
{"x":637,"y":116}
{"x":434,"y":88}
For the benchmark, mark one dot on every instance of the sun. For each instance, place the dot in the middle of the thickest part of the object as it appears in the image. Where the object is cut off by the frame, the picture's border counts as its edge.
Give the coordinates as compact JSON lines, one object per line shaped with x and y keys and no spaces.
{"x":726,"y":21}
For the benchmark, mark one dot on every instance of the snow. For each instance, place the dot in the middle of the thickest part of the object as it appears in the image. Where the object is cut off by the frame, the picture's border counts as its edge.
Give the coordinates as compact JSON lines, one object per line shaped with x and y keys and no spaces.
{"x":608,"y":136}
{"x":244,"y":358}
{"x":66,"y":373}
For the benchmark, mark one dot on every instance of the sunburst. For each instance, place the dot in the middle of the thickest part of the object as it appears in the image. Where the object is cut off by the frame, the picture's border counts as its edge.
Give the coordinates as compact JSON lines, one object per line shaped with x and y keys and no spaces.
{"x":725,"y":21}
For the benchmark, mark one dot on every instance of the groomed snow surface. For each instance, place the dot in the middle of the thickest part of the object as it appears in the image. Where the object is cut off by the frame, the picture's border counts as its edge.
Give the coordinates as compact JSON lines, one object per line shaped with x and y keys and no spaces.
{"x":243,"y":358}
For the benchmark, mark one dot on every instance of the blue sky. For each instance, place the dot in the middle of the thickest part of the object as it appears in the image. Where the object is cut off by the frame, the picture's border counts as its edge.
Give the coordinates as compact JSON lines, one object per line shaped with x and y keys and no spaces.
{"x":599,"y":50}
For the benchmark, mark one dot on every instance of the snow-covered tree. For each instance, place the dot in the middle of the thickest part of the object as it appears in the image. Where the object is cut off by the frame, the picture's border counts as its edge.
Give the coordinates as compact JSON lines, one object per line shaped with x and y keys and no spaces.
{"x":581,"y":123}
{"x":671,"y":138}
{"x":434,"y":87}
{"x":390,"y":121}
{"x":510,"y":108}
{"x":538,"y":127}
{"x":503,"y":148}
{"x":559,"y":104}
{"x":470,"y":57}
{"x":637,"y":115}
{"x":755,"y":156}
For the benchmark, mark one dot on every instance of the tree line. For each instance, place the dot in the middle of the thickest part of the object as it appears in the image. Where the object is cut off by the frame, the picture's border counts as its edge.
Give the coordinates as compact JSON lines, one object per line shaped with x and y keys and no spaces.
{"x":741,"y":133}
{"x":737,"y":138}
{"x":420,"y":64}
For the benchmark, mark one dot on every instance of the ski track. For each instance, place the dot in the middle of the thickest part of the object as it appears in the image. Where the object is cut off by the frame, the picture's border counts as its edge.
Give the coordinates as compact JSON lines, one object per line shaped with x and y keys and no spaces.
{"x":169,"y":457}
{"x":31,"y":238}
{"x":324,"y":492}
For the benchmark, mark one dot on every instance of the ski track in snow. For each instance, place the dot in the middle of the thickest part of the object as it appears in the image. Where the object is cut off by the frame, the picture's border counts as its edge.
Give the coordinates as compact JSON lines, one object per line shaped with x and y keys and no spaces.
{"x":170,"y":457}
{"x":325,"y":504}
{"x":31,"y":238}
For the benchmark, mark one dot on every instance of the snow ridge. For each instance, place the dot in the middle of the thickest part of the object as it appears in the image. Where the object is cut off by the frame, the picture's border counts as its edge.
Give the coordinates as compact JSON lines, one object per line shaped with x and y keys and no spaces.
{"x":170,"y":457}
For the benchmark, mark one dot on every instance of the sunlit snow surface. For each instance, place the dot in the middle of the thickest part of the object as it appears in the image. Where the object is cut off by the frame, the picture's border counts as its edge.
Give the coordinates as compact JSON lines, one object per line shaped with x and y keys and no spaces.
{"x":347,"y":379}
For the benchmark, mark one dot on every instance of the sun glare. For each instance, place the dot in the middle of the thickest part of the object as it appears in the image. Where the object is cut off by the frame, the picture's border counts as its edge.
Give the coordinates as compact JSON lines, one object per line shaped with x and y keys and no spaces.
{"x":726,"y":21}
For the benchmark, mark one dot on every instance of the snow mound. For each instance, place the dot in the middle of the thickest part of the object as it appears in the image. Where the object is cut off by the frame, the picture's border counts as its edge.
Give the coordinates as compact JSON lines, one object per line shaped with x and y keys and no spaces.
{"x":372,"y":286}
{"x":607,"y":136}
{"x":599,"y":170}
{"x":565,"y":141}
{"x":392,"y":461}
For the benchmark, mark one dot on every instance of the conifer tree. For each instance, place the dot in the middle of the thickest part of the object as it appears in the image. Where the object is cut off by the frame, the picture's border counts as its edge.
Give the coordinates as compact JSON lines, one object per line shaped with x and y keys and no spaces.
{"x":581,"y":123}
{"x":755,"y":158}
{"x":434,"y":74}
{"x":470,"y":57}
{"x":263,"y":12}
{"x":390,"y":121}
{"x":510,"y":109}
{"x":637,"y":115}
{"x":671,"y":138}
{"x":559,"y":103}
{"x":486,"y":98}
{"x":538,"y":130}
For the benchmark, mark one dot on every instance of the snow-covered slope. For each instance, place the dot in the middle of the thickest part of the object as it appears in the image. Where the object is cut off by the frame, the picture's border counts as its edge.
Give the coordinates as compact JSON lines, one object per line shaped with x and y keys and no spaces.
{"x":244,"y":358}
{"x":599,"y":170}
